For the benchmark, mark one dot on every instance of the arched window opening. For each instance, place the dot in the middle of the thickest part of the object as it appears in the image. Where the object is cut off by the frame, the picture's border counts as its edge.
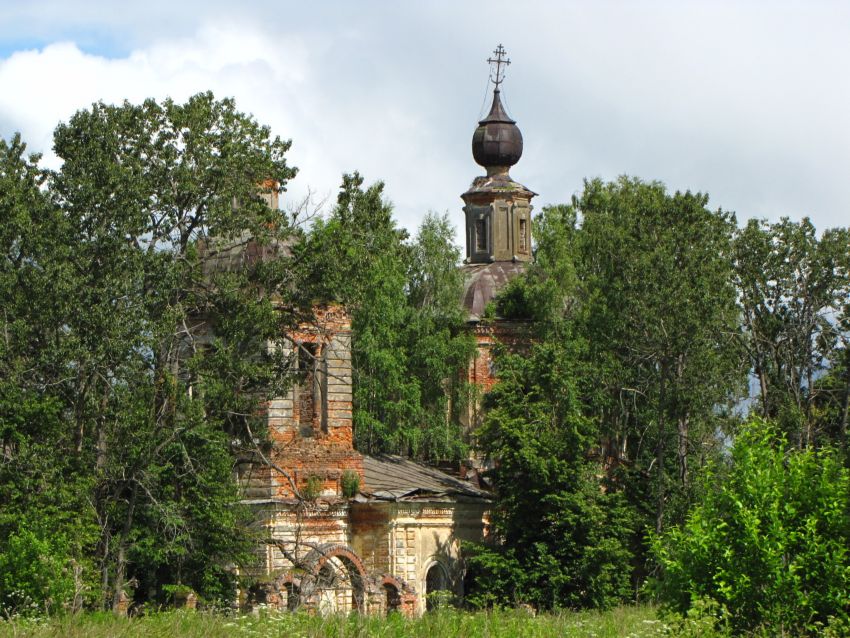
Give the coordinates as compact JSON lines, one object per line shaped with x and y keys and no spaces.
{"x":393,"y":598}
{"x":339,"y":586}
{"x":311,"y":393}
{"x":481,"y":235}
{"x":523,"y":235}
{"x":337,"y":580}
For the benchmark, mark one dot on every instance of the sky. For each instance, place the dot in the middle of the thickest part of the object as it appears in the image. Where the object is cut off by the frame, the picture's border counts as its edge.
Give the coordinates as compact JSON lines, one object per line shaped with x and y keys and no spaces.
{"x":746,"y":101}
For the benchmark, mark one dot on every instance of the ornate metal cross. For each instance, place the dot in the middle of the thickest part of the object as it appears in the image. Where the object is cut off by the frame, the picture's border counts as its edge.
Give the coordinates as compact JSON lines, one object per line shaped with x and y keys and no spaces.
{"x":499,"y":61}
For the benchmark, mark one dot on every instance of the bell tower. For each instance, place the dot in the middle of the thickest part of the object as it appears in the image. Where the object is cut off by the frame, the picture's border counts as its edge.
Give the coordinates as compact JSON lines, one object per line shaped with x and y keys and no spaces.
{"x":498,"y":244}
{"x":498,"y":209}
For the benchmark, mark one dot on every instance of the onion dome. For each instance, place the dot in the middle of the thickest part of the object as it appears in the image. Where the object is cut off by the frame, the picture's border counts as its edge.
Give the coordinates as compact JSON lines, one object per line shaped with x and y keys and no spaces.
{"x":497,"y":142}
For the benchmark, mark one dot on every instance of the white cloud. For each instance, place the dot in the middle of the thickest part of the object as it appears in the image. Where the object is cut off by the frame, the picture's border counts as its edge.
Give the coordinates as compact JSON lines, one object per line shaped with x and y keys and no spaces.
{"x":275,"y":78}
{"x":744,"y":100}
{"x":52,"y":83}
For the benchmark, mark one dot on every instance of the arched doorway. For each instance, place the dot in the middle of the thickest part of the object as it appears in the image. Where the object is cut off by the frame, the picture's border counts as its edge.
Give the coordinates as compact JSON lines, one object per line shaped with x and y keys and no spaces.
{"x":332,"y":589}
{"x":288,"y":589}
{"x":437,"y":587}
{"x":338,"y":582}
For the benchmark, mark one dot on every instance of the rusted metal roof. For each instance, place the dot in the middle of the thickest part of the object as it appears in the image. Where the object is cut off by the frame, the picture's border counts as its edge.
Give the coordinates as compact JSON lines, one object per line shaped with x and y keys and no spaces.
{"x":396,"y":478}
{"x":497,"y":111}
{"x":482,"y":282}
{"x":497,"y":141}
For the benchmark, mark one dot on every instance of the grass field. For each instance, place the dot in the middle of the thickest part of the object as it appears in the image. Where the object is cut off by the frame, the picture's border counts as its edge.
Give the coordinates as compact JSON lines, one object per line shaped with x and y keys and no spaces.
{"x":627,"y":622}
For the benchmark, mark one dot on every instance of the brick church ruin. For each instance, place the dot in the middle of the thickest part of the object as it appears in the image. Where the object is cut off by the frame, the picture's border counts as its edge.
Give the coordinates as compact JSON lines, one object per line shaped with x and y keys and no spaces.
{"x":347,"y":531}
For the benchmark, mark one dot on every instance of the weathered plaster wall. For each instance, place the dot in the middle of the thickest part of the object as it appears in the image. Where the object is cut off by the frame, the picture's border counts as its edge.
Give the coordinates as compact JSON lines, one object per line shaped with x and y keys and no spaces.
{"x":405,"y":539}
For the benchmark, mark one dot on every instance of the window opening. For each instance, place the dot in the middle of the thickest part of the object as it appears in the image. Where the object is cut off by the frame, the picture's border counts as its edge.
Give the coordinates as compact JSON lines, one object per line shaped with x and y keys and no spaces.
{"x":307,"y":391}
{"x":523,"y":235}
{"x":481,"y":235}
{"x":393,"y":598}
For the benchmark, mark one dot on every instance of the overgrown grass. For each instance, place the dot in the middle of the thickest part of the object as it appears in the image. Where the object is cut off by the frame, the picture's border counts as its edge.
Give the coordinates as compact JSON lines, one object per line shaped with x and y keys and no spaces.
{"x":629,"y":622}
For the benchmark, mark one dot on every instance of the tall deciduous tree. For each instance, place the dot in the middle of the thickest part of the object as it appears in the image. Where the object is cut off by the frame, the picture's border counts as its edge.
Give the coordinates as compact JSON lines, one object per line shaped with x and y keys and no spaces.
{"x":792,"y":287}
{"x":438,"y":344}
{"x":660,"y":317}
{"x":633,"y":354}
{"x":155,"y":363}
{"x":561,"y":531}
{"x":359,"y":256}
{"x":406,"y":323}
{"x":562,"y":528}
{"x":47,"y":527}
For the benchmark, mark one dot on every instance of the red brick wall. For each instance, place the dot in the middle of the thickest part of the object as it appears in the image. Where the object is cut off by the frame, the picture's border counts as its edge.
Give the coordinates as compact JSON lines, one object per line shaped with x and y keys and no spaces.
{"x":321,"y":452}
{"x":482,"y":370}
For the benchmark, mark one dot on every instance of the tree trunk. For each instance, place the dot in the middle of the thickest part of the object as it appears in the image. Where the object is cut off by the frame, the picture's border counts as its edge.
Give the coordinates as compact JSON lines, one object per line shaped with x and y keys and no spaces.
{"x":659,"y":451}
{"x":104,"y":569}
{"x":79,"y":410}
{"x":682,"y":425}
{"x":763,"y":386}
{"x":100,"y":458}
{"x":683,"y":428}
{"x":810,"y":434}
{"x":121,"y":559}
{"x":845,"y":402}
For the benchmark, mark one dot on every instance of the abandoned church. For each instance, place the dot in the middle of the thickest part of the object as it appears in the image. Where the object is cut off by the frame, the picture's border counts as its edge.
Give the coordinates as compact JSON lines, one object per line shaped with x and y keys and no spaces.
{"x":347,"y":531}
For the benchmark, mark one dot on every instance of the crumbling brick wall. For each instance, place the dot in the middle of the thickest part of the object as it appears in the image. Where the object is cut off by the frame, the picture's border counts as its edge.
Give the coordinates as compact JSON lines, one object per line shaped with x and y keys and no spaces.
{"x":310,"y":427}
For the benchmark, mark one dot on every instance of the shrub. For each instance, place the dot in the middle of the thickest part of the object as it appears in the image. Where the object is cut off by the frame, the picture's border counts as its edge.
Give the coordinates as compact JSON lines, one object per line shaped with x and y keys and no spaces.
{"x":36,"y":575}
{"x":769,"y":542}
{"x":350,"y":483}
{"x":313,"y":489}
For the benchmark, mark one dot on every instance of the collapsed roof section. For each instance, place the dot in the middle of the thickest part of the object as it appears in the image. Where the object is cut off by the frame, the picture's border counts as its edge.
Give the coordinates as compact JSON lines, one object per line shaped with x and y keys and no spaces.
{"x":394,"y":478}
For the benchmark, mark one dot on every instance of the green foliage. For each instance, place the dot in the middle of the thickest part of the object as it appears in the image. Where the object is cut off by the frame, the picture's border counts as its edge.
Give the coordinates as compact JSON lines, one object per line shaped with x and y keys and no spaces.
{"x":313,"y":489}
{"x":177,"y":594}
{"x":657,"y":307}
{"x":598,"y":426}
{"x":547,"y":294}
{"x":704,"y":617}
{"x":120,"y":408}
{"x":154,"y":411}
{"x":350,"y":483}
{"x":116,"y":412}
{"x":436,"y":338}
{"x":637,"y":622}
{"x":794,"y":286}
{"x":47,"y":527}
{"x":830,"y":403}
{"x":562,"y":532}
{"x":36,"y":574}
{"x":769,"y":541}
{"x":406,"y":323}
